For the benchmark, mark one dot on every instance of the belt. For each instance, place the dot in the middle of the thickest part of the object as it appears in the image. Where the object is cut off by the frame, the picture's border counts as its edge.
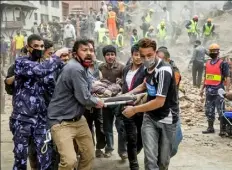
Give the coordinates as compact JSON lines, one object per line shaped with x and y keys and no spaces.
{"x":75,"y":119}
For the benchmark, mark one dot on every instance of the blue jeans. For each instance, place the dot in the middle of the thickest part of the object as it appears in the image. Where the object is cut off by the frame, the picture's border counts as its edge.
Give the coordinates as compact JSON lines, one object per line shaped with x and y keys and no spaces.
{"x":157,"y":143}
{"x":108,"y":121}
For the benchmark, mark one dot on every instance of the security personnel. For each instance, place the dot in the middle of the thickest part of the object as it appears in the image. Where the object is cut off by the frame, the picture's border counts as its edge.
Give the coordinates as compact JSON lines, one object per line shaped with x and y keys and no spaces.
{"x":134,"y":37}
{"x":162,"y":34}
{"x":216,"y":74}
{"x":149,"y":16}
{"x":192,"y":28}
{"x":208,"y":30}
{"x":150,"y":33}
{"x":120,"y":39}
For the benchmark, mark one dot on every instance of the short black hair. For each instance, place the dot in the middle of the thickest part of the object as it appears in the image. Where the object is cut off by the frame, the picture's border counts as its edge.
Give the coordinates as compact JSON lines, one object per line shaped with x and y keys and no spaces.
{"x":134,"y":48}
{"x":47,"y":44}
{"x":33,"y":37}
{"x":107,"y":49}
{"x":162,"y":47}
{"x":24,"y":50}
{"x":82,"y":42}
{"x":198,"y":42}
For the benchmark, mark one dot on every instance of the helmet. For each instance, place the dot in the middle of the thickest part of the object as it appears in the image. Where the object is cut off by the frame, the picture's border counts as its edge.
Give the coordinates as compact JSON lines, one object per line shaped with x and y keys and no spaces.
{"x":151,"y":10}
{"x":121,"y":30}
{"x":162,"y":23}
{"x":151,"y":28}
{"x":195,"y":17}
{"x":209,"y":20}
{"x":214,"y":48}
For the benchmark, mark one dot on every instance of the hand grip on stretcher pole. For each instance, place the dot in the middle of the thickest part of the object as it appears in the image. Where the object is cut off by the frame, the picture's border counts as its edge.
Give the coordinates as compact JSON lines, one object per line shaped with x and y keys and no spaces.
{"x":119,"y":100}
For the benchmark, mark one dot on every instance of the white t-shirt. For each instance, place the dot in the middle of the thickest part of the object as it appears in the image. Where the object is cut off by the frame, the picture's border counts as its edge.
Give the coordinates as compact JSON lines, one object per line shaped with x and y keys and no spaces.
{"x":97,"y":26}
{"x":130,"y":75}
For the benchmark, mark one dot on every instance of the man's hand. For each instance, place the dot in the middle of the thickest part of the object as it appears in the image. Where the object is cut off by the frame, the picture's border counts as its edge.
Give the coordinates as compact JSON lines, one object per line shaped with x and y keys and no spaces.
{"x":100,"y":104}
{"x":139,"y":97}
{"x":201,"y":93}
{"x":129,"y":111}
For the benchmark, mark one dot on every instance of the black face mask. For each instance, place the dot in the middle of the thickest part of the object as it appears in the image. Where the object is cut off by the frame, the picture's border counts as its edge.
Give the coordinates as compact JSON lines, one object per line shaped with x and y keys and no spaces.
{"x":213,"y":55}
{"x":36,"y":54}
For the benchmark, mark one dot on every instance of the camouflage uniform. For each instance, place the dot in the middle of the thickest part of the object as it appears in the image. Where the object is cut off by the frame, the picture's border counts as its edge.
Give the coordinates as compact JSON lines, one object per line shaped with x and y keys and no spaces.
{"x":28,"y":119}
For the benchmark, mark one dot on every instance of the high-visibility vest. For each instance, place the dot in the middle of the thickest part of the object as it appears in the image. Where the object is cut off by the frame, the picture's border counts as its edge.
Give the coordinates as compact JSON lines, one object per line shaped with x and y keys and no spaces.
{"x":135,"y":39}
{"x":162,"y":33}
{"x":118,"y":42}
{"x":208,"y":29}
{"x":193,"y":27}
{"x":111,"y":14}
{"x":147,"y":35}
{"x":101,"y":33}
{"x":148,"y":18}
{"x":107,"y":42}
{"x":213,"y":75}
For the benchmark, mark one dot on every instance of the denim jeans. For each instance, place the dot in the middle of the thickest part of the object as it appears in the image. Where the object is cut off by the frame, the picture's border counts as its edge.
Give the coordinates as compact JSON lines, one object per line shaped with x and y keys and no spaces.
{"x":109,"y":114}
{"x":157,"y":143}
{"x":133,"y":132}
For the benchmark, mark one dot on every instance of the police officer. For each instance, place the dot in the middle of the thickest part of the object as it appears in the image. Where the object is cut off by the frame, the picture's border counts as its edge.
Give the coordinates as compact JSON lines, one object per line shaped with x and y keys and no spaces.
{"x":216,"y":73}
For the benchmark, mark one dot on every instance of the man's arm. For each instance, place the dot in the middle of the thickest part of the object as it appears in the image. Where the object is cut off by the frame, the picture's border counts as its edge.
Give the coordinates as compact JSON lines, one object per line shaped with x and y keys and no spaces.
{"x":27,"y":68}
{"x":138,"y":89}
{"x":188,"y":24}
{"x":81,"y":91}
{"x":162,"y":91}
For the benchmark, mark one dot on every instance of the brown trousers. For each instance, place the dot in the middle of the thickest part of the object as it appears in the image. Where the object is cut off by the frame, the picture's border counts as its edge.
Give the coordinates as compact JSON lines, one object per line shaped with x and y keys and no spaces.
{"x":64,"y":136}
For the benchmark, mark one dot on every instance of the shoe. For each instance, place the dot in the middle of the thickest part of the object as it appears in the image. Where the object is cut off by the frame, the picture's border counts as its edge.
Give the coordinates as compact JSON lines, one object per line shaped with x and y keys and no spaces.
{"x":210,"y":128}
{"x":123,"y":156}
{"x":99,"y":153}
{"x":108,"y":154}
{"x":223,"y":134}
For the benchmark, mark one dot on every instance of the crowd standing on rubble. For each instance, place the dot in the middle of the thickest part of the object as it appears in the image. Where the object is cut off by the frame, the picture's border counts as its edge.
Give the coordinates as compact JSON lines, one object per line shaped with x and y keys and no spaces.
{"x":61,"y":91}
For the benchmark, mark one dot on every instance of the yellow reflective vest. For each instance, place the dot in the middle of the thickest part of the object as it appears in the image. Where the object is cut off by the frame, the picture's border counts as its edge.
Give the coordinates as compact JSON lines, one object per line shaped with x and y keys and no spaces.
{"x":208,"y":30}
{"x":148,"y":18}
{"x":135,"y":39}
{"x":118,"y":43}
{"x":106,"y":40}
{"x":193,"y":27}
{"x":162,"y":33}
{"x":101,"y":33}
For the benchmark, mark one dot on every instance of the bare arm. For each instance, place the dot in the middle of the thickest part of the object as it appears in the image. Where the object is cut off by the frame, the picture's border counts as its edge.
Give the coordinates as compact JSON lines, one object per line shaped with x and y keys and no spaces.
{"x":10,"y":80}
{"x":138,"y":89}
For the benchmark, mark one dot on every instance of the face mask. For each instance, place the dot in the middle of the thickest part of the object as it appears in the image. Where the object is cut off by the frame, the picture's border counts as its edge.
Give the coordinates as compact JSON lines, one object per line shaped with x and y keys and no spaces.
{"x":213,"y":55}
{"x":149,"y":63}
{"x":36,"y":54}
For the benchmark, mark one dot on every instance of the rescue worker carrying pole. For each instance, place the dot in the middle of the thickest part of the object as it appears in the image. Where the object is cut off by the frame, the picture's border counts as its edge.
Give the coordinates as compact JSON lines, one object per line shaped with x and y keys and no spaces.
{"x":111,"y":22}
{"x":216,"y":73}
{"x":150,"y":33}
{"x":192,"y":28}
{"x":120,"y":39}
{"x":149,"y":16}
{"x":208,"y":31}
{"x":162,"y":34}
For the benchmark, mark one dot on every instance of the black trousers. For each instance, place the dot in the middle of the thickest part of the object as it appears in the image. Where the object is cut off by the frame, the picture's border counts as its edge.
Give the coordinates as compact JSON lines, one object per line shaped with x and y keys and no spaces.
{"x":94,"y":116}
{"x":197,"y":71}
{"x":134,"y":140}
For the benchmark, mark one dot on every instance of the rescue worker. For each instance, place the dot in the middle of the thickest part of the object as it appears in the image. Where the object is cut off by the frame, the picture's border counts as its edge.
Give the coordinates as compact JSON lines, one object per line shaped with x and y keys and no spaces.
{"x":192,"y":28}
{"x":111,"y":70}
{"x":133,"y":75}
{"x":150,"y":34}
{"x":162,"y":34}
{"x":120,"y":40}
{"x":129,"y":26}
{"x":148,"y":16}
{"x":29,"y":117}
{"x":111,"y":23}
{"x":66,"y":109}
{"x":101,"y":33}
{"x":144,"y":27}
{"x":216,"y":74}
{"x":208,"y":31}
{"x":106,"y":38}
{"x":198,"y":60}
{"x":134,"y":37}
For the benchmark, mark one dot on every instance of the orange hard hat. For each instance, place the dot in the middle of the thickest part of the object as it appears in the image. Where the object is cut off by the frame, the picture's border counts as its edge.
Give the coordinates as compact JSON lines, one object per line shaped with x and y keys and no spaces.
{"x":214,"y":48}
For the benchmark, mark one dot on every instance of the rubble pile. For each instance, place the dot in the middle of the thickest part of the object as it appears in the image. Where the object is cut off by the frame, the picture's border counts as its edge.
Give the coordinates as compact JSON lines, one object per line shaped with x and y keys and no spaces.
{"x":191,"y":104}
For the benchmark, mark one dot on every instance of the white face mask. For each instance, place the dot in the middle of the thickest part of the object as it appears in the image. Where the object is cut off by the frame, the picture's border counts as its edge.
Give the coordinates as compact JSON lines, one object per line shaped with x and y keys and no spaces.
{"x":149,"y":63}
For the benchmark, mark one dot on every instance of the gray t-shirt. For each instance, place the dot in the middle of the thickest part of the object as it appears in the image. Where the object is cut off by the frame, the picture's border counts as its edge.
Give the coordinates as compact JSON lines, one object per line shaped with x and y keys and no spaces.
{"x":71,"y":95}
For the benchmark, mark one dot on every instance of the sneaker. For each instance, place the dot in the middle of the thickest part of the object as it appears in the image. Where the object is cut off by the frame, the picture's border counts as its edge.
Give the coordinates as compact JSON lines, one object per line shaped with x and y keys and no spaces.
{"x":108,"y":154}
{"x":99,"y":153}
{"x":123,"y":156}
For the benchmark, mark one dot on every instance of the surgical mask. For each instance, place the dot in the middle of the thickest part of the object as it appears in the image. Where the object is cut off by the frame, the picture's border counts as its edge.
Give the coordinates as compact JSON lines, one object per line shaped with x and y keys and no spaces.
{"x":213,"y":55}
{"x":36,"y":54}
{"x":149,"y":63}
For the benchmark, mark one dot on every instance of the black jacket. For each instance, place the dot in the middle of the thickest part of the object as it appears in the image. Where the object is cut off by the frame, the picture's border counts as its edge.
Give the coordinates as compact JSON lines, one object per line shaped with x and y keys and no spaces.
{"x":138,"y":78}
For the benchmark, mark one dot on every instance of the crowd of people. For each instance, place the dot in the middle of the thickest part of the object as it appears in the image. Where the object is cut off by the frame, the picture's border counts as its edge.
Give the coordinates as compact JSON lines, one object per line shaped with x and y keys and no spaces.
{"x":61,"y":92}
